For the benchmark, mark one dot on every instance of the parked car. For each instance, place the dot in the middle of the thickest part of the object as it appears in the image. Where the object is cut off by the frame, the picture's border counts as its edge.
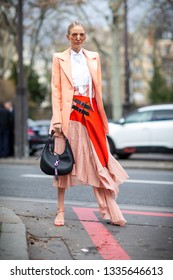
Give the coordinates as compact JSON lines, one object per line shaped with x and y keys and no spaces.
{"x":148,"y":129}
{"x":38,"y":133}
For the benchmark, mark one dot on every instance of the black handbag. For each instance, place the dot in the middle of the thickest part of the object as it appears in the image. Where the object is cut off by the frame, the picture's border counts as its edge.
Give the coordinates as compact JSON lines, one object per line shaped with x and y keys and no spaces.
{"x":55,"y":164}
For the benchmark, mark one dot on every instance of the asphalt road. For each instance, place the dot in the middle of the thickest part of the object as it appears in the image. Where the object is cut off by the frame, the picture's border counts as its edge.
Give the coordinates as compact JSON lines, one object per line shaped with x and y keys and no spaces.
{"x":144,"y":187}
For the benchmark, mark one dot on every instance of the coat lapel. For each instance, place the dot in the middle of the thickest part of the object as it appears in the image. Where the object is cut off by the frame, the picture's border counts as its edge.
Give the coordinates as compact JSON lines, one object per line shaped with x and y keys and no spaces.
{"x":66,"y":64}
{"x":92,"y":64}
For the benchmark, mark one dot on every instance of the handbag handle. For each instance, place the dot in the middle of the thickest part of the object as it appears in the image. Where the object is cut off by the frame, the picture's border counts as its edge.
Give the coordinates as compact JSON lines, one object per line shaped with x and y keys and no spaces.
{"x":49,"y":140}
{"x":53,"y":132}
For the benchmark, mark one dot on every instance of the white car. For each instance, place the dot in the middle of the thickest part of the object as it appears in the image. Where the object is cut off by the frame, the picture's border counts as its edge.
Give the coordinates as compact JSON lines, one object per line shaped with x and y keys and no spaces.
{"x":147,"y":130}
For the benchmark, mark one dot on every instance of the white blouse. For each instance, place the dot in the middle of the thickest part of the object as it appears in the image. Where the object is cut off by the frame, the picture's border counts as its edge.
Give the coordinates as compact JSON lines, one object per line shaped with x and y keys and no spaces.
{"x":80,"y":73}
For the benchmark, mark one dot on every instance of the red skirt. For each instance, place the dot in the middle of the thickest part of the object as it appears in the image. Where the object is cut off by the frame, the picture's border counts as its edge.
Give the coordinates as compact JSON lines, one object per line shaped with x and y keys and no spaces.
{"x":94,"y":127}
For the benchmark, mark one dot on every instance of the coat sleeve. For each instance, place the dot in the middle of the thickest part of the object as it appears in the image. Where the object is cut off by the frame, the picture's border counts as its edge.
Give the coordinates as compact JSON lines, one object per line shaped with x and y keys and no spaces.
{"x":56,"y":91}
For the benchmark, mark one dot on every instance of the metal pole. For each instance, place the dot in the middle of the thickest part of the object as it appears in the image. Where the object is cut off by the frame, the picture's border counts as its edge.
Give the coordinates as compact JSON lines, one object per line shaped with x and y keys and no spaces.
{"x":126,"y":105}
{"x":115,"y":81}
{"x":21,"y":106}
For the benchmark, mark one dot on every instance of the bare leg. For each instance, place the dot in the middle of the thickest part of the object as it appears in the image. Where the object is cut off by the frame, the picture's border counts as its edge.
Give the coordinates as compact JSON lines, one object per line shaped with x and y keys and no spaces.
{"x":61,"y":194}
{"x":59,"y":220}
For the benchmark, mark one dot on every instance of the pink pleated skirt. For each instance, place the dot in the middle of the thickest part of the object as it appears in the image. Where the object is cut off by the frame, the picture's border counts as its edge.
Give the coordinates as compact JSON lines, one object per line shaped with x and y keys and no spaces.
{"x":90,"y":171}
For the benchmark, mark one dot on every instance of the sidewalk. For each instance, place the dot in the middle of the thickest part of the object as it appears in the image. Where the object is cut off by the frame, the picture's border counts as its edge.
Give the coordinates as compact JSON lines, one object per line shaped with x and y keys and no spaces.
{"x":13,"y":244}
{"x":85,"y":233}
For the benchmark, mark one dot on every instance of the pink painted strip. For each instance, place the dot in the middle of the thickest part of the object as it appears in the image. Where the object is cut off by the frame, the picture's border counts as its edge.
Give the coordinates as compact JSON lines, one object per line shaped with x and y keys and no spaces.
{"x":105,"y":243}
{"x":144,"y":213}
{"x":158,"y":214}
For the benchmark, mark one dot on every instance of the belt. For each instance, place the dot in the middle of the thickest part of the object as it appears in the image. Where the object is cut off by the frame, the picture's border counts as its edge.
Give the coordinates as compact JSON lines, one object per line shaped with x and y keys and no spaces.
{"x":83,"y":104}
{"x":80,"y":110}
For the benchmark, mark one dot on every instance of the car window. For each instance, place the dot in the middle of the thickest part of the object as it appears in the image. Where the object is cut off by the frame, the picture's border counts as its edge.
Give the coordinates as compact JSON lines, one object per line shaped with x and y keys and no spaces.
{"x":138,"y":117}
{"x":162,"y":115}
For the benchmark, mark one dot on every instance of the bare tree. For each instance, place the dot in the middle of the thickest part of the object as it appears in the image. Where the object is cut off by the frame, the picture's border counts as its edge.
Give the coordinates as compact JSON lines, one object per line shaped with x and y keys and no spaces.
{"x":41,"y":22}
{"x":44,"y":27}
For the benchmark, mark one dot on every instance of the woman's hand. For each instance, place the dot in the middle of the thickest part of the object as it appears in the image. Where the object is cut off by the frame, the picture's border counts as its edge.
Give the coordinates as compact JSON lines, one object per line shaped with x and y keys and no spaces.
{"x":58,"y":127}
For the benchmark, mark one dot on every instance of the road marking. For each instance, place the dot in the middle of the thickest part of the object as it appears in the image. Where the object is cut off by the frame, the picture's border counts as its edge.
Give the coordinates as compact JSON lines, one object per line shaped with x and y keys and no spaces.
{"x":128,"y":181}
{"x":151,"y":182}
{"x":103,"y":240}
{"x":105,"y":243}
{"x":36,"y":176}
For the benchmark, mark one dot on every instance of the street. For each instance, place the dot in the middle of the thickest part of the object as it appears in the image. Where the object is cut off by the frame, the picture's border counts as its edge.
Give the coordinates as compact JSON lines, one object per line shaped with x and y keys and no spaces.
{"x":144,"y":187}
{"x":146,"y":200}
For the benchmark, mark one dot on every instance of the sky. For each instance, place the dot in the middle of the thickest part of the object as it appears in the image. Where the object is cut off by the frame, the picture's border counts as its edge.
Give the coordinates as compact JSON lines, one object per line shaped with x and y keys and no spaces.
{"x":98,"y":13}
{"x":136,"y":9}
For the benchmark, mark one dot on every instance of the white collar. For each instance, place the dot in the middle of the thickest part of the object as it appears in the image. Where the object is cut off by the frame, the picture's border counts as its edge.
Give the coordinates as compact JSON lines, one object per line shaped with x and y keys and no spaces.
{"x":72,"y":52}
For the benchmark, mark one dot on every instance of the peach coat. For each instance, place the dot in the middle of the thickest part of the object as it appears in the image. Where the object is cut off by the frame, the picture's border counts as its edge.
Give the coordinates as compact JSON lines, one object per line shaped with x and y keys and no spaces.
{"x":62,"y":87}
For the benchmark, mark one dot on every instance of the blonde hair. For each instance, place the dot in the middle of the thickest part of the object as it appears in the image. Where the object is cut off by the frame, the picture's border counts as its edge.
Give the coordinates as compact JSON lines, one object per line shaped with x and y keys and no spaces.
{"x":73,"y":24}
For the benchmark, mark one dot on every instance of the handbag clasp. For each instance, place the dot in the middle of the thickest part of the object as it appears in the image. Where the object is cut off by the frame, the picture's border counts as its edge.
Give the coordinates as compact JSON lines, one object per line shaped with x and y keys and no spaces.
{"x":56,"y":162}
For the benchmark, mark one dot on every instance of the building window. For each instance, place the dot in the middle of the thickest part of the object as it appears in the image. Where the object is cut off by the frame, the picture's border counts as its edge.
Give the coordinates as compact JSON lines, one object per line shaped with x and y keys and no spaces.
{"x":137,"y":84}
{"x":150,"y":72}
{"x":169,"y":81}
{"x":167,"y":35}
{"x":168,"y":66}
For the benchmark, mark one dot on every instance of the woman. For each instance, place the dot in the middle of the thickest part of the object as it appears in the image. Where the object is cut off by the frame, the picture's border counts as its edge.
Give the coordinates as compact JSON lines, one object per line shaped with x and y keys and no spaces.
{"x":78,"y":112}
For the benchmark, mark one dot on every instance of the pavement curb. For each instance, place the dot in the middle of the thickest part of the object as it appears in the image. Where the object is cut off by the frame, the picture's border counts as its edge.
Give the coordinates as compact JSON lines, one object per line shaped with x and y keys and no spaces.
{"x":13,"y":243}
{"x":18,"y":161}
{"x":139,"y":164}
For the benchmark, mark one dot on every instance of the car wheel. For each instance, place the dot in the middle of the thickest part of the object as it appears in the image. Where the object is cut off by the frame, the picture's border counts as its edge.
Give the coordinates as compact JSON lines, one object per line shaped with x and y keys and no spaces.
{"x":32,"y":152}
{"x":123,"y":156}
{"x":111,"y":145}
